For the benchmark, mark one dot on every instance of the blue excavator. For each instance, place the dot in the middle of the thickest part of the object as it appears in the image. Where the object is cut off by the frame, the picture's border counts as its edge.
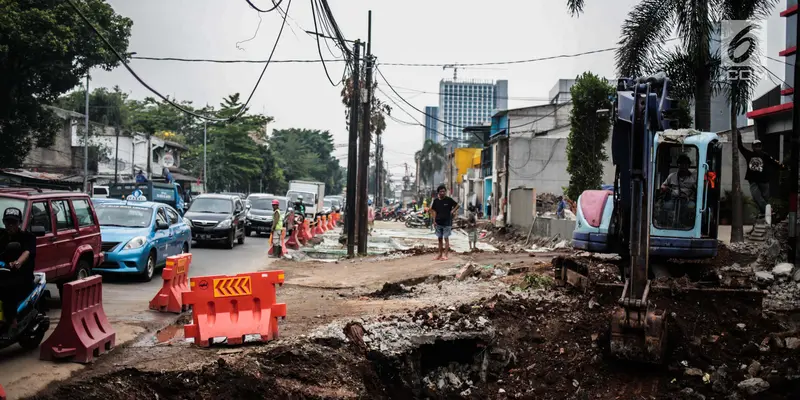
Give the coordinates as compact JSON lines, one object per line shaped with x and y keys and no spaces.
{"x":664,"y":203}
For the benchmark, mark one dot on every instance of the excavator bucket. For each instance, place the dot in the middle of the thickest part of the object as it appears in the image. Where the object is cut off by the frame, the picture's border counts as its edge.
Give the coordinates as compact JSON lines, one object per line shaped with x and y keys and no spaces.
{"x":638,"y":330}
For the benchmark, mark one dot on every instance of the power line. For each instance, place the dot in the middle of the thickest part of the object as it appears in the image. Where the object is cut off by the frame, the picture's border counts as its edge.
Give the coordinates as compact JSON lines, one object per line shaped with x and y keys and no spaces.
{"x":314,"y":11}
{"x":474,"y":95}
{"x":208,"y":60}
{"x":274,"y":6}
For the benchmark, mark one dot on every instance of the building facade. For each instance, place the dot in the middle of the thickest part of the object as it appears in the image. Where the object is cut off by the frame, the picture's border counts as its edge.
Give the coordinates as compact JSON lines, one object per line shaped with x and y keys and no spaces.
{"x":431,"y":123}
{"x":468,"y":103}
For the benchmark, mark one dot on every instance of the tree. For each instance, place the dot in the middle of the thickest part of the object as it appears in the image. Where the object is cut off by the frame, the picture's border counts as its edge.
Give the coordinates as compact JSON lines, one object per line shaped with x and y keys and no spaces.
{"x":588,"y":133}
{"x":108,"y":107}
{"x":431,"y":159}
{"x":45,"y":50}
{"x":739,"y":93}
{"x":308,"y":154}
{"x":693,"y":66}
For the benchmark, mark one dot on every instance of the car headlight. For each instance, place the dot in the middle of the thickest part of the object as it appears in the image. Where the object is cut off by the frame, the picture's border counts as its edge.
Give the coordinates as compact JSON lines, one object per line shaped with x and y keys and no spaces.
{"x":224,"y":224}
{"x":249,"y":215}
{"x":136,"y":243}
{"x":187,"y":221}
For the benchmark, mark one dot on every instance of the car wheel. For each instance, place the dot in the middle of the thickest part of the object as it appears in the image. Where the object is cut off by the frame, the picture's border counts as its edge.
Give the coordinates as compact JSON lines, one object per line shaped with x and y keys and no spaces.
{"x":248,"y":232}
{"x":185,"y":248}
{"x":149,"y":268}
{"x":82,"y":270}
{"x":231,"y":242}
{"x":241,"y":238}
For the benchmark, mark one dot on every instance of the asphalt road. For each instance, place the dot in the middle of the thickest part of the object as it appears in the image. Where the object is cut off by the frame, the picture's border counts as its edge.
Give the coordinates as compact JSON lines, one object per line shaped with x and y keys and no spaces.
{"x":126,"y":302}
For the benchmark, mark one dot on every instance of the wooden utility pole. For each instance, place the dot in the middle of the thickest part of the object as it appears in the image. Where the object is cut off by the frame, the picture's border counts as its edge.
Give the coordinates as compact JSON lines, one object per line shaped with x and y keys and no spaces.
{"x":352,"y":164}
{"x":363,"y":142}
{"x":793,"y":176}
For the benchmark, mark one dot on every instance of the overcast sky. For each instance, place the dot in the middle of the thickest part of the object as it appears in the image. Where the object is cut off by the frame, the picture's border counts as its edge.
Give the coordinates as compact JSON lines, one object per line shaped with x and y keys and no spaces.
{"x":415,"y":31}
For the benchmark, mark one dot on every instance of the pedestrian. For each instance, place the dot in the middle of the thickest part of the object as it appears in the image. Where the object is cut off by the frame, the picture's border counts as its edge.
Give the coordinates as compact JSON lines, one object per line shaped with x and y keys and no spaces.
{"x":370,"y":217}
{"x":277,"y":228}
{"x":759,"y":170}
{"x":489,"y":205}
{"x":443,"y":209}
{"x":562,"y":205}
{"x":140,"y":178}
{"x":472,"y":227}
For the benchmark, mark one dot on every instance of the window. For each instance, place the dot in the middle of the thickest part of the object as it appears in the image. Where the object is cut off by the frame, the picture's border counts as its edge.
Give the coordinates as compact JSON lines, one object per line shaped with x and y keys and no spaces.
{"x":40,"y":216}
{"x":83,"y":213}
{"x":173,"y":216}
{"x":63,"y":215}
{"x":161,"y":217}
{"x":675,"y":194}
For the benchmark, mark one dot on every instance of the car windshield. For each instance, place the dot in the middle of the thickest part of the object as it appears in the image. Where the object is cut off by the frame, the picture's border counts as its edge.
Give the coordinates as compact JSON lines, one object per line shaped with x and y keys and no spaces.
{"x":265,"y":203}
{"x":6,"y":202}
{"x":211,"y":206}
{"x":307,"y":198}
{"x":328,"y":203}
{"x":124,"y":215}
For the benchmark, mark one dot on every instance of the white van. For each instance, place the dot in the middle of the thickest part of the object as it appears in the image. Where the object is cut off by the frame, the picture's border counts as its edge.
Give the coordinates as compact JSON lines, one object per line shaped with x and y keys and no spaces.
{"x":100,"y":192}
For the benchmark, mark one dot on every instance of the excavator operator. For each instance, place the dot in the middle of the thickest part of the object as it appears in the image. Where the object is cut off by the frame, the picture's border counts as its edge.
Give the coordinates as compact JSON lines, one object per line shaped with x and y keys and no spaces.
{"x":680,"y":189}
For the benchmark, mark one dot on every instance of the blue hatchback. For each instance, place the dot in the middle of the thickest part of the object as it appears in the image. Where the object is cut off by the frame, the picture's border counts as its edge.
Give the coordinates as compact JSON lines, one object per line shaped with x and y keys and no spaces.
{"x":138,"y":236}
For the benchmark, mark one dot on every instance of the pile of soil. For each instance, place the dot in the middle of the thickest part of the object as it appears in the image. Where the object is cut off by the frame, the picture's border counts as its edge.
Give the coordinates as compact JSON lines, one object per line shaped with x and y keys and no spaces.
{"x":389,"y":289}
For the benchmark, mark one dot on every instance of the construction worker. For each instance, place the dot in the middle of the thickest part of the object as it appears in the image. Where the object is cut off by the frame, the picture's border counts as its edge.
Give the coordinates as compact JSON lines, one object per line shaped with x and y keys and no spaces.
{"x":277,"y":228}
{"x":760,"y":167}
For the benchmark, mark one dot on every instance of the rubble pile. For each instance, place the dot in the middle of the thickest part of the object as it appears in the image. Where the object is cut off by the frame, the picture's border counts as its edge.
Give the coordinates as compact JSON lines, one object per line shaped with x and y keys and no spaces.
{"x":546,"y":202}
{"x":769,"y":272}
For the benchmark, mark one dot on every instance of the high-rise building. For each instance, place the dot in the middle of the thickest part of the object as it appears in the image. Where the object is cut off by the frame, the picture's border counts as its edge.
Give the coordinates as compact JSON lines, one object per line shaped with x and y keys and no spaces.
{"x":431,"y":115}
{"x":468,"y":103}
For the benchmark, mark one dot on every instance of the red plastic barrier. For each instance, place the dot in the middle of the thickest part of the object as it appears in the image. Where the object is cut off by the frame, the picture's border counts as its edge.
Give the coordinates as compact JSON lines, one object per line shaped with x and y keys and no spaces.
{"x":307,"y":232}
{"x":2,"y":393}
{"x":293,"y":242}
{"x":176,"y":281}
{"x":283,"y":241}
{"x":330,"y":224}
{"x":324,"y":226}
{"x":83,"y":332}
{"x":232,"y":307}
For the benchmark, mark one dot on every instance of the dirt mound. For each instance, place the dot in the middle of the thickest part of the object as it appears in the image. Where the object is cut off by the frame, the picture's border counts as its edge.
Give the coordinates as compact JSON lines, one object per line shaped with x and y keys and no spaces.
{"x":389,"y":289}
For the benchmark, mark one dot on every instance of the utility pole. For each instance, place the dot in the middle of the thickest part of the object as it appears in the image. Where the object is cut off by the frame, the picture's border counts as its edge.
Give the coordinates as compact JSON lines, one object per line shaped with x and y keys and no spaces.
{"x":205,"y":154}
{"x":149,"y":154}
{"x":363,"y":143}
{"x":793,"y":176}
{"x":86,"y":140}
{"x":352,"y":162}
{"x":116,"y":155}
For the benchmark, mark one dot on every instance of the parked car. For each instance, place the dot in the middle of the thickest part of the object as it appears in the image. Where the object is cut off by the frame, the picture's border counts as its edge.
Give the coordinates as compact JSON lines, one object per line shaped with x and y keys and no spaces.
{"x":99,"y":191}
{"x":218,"y":218}
{"x":259,"y":214}
{"x":138,"y":236}
{"x":66,"y":228}
{"x":237,"y":194}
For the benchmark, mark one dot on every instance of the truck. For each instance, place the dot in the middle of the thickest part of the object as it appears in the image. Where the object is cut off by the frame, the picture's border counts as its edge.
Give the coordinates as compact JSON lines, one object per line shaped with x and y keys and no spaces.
{"x":160,"y":192}
{"x":313,"y":195}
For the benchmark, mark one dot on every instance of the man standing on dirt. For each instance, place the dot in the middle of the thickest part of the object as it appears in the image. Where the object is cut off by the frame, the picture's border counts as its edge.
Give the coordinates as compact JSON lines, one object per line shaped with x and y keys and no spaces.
{"x":443,"y":209}
{"x":759,"y":169}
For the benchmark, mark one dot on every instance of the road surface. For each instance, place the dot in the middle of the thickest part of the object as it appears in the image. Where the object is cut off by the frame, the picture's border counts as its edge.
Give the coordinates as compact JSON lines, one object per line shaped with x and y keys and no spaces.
{"x":126,"y":304}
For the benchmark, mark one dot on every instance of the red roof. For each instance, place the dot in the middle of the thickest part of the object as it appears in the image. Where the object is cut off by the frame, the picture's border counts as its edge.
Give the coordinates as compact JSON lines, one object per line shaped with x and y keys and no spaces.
{"x":763,"y":112}
{"x":789,"y":11}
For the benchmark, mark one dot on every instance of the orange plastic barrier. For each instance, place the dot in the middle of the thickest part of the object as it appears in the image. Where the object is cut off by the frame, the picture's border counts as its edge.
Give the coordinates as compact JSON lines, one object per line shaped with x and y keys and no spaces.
{"x":229,"y":308}
{"x":330,"y":225}
{"x":283,"y":241}
{"x":83,"y":331}
{"x":293,"y":242}
{"x":324,"y":226}
{"x":318,"y":228}
{"x":176,"y":281}
{"x":2,"y":393}
{"x":309,"y":232}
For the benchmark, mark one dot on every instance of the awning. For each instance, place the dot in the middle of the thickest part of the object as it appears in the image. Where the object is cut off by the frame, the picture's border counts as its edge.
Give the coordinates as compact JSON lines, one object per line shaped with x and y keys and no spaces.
{"x":768,"y":111}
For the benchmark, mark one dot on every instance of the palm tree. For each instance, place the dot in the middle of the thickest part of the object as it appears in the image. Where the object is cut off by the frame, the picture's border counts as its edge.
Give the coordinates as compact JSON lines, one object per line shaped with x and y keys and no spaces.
{"x":691,"y":66}
{"x":739,"y":93}
{"x":431,"y":159}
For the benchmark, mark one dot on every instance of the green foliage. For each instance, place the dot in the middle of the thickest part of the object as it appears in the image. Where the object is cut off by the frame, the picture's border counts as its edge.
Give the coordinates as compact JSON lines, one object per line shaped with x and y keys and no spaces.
{"x":45,"y":50}
{"x":308,"y":155}
{"x":588,"y":134}
{"x":107,"y":107}
{"x":535,"y":282}
{"x":431,"y":159}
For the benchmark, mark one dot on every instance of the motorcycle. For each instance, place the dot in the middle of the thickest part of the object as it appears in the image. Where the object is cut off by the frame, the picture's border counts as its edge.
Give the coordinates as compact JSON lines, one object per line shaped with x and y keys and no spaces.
{"x":401,"y":215}
{"x":32,"y":322}
{"x":417,"y":220}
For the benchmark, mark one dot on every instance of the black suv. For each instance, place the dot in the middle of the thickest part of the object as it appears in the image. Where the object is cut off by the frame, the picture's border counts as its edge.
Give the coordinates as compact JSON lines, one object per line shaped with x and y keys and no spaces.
{"x":217,"y":218}
{"x":259,"y":213}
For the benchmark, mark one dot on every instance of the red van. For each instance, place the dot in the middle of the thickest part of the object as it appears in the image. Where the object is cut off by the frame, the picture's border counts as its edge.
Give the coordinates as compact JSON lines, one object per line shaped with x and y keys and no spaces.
{"x":67,"y":232}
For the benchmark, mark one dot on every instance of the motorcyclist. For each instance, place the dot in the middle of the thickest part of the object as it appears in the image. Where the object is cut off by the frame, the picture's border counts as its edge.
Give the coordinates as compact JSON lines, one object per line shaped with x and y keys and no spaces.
{"x":299,"y":207}
{"x":16,"y":284}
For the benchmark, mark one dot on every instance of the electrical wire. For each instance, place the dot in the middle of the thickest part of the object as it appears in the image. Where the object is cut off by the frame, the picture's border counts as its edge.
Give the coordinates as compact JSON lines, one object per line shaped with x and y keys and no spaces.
{"x":319,"y":48}
{"x":208,"y":60}
{"x":254,"y":34}
{"x":274,"y":6}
